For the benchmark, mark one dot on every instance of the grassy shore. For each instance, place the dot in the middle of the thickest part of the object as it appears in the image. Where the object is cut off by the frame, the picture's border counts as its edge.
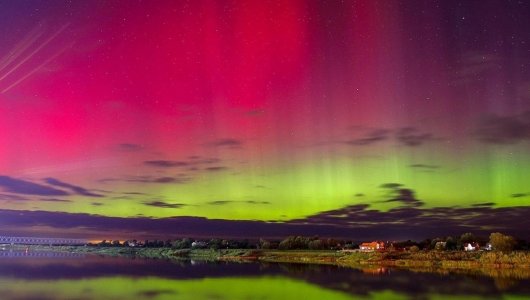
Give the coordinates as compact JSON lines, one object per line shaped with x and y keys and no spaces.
{"x":498,"y":265}
{"x":423,"y":259}
{"x":503,"y":267}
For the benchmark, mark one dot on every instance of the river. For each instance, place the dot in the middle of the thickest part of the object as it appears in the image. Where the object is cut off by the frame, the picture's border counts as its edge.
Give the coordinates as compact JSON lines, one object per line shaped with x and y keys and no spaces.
{"x":47,"y":276}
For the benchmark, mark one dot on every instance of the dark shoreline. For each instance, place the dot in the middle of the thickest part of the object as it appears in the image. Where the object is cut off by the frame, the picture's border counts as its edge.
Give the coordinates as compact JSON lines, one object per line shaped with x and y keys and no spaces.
{"x":491,"y":264}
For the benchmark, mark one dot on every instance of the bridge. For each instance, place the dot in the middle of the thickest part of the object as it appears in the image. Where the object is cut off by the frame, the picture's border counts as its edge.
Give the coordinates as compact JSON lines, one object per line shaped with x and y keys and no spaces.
{"x":17,"y":240}
{"x":11,"y":254}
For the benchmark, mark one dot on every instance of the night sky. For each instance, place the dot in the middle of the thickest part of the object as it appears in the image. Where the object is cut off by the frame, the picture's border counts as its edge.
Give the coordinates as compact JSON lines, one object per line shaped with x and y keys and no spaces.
{"x":361,"y":119}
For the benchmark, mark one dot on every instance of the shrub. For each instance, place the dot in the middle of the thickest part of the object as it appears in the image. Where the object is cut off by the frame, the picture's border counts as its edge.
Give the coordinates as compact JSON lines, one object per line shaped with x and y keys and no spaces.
{"x":501,"y":242}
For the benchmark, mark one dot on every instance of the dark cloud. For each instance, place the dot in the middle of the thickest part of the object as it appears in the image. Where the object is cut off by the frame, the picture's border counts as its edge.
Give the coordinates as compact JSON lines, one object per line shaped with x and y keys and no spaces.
{"x":215,"y":168}
{"x":412,"y":137}
{"x":219,"y":202}
{"x":155,"y":293}
{"x":520,"y":195}
{"x":225,"y":202}
{"x":193,"y":163}
{"x":96,"y":204}
{"x":228,"y":143}
{"x":359,"y":195}
{"x":204,"y":161}
{"x":165,"y":180}
{"x":54,"y":200}
{"x":405,"y":196}
{"x":19,"y":186}
{"x":177,"y":179}
{"x":397,"y":193}
{"x":166,"y":163}
{"x":354,"y":222}
{"x":424,"y":167}
{"x":257,"y":202}
{"x":130,"y":147}
{"x":74,"y":188}
{"x":504,"y":130}
{"x":107,"y":180}
{"x":391,"y":185}
{"x":415,"y":222}
{"x":124,"y":197}
{"x":162,"y":180}
{"x":375,"y":136}
{"x":162,"y":204}
{"x":19,"y":198}
{"x":10,"y":197}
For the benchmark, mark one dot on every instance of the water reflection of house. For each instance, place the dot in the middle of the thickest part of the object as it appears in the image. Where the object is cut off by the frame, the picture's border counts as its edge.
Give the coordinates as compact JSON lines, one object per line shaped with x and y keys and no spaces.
{"x":373,"y":246}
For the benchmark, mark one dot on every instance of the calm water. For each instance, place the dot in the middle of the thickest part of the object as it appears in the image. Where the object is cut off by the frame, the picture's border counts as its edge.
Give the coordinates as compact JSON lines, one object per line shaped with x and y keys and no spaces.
{"x":43,"y":276}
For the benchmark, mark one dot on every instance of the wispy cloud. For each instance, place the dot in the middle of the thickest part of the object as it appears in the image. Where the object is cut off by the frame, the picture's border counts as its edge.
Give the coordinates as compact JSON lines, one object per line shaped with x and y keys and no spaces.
{"x":216,"y":169}
{"x":424,"y":167}
{"x":129,"y":147}
{"x":413,"y":137}
{"x":19,"y":186}
{"x":226,"y":143}
{"x":162,"y":204}
{"x":161,"y":180}
{"x":358,"y":221}
{"x":54,"y":200}
{"x":226,"y":202}
{"x":398,"y":193}
{"x":74,"y":188}
{"x":166,"y":163}
{"x":504,"y":130}
{"x":372,"y":137}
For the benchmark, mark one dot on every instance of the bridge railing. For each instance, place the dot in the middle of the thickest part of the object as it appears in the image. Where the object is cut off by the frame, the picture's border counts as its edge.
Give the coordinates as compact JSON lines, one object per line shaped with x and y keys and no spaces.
{"x":40,"y":241}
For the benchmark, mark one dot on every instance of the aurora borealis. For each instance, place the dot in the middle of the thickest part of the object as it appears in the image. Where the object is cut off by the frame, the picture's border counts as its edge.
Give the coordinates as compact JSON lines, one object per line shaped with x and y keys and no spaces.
{"x":121,"y":118}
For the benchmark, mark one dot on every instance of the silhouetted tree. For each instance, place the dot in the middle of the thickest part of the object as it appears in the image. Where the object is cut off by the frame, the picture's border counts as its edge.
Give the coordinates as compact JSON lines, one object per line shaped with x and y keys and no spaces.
{"x":184,"y":243}
{"x":501,"y":242}
{"x":450,"y":243}
{"x":315,"y":245}
{"x":467,"y":238}
{"x":264,"y":244}
{"x":414,"y":249}
{"x":214,"y":244}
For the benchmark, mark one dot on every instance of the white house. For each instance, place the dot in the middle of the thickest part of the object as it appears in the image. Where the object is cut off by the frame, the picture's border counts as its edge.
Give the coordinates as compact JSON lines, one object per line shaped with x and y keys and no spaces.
{"x":470,"y":247}
{"x":199,"y":244}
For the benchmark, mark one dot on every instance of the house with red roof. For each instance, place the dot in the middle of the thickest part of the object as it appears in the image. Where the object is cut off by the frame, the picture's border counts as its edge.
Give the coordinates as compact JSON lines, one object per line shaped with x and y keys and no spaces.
{"x":373,"y":246}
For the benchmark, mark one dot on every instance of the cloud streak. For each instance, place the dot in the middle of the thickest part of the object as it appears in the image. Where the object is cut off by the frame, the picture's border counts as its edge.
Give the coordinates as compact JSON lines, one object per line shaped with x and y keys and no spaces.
{"x":19,"y":186}
{"x":374,"y":136}
{"x":226,"y":143}
{"x":353,"y":222}
{"x":504,"y":130}
{"x":412,"y":137}
{"x":225,"y":202}
{"x":162,"y":204}
{"x":74,"y":188}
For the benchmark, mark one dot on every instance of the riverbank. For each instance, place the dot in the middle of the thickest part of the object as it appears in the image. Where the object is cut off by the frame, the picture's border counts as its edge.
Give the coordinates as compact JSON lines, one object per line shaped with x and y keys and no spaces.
{"x":420,"y":259}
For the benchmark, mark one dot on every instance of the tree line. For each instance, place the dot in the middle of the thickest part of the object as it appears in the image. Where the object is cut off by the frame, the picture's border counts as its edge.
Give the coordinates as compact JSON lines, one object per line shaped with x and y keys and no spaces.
{"x":498,"y":241}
